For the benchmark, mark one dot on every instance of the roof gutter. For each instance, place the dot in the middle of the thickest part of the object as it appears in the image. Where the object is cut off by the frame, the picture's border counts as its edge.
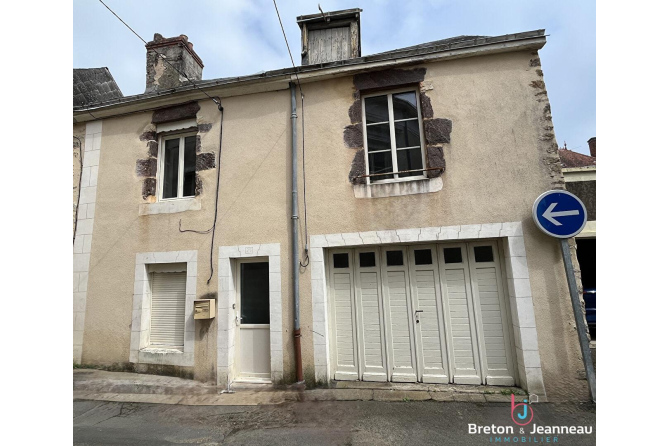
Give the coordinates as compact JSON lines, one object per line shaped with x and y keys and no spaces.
{"x":278,"y":79}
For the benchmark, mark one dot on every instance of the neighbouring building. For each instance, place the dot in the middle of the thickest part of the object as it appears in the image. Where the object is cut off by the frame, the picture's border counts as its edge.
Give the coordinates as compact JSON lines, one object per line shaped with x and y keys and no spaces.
{"x":579,"y":171}
{"x":420,"y":261}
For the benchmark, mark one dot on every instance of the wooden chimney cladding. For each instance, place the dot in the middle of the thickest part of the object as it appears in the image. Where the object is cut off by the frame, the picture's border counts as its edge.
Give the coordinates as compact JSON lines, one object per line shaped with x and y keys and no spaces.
{"x":330,"y":36}
{"x":328,"y":45}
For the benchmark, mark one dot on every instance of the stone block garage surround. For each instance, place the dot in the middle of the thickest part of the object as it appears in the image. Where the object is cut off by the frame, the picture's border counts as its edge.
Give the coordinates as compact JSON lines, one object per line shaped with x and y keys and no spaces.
{"x":520,"y":330}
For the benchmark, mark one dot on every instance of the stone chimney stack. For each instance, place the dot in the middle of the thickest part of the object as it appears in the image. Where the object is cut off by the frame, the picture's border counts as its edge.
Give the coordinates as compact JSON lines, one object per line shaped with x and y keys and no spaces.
{"x":178,"y":51}
{"x":330,"y":36}
{"x":592,"y":146}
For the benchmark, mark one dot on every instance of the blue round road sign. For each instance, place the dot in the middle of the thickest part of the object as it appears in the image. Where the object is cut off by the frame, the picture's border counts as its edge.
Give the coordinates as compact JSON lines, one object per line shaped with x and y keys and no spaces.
{"x":559,"y":213}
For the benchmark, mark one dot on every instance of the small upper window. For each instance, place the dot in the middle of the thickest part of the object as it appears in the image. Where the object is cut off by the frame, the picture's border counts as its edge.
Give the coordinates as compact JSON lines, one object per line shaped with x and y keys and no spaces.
{"x":177,"y":167}
{"x":393,"y":138}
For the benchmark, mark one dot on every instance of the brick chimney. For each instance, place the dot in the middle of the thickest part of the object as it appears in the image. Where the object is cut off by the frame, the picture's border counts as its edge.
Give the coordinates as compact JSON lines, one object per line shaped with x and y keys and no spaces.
{"x":592,"y":146}
{"x":330,"y":36}
{"x":178,"y":51}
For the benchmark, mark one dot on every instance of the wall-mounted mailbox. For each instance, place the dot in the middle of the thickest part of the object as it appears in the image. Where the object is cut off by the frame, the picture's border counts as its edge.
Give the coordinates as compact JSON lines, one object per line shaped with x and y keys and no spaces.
{"x":204,"y":308}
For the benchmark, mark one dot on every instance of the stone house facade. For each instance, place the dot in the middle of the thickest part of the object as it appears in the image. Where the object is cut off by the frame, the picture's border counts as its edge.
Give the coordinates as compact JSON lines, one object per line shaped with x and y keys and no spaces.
{"x":419,"y":259}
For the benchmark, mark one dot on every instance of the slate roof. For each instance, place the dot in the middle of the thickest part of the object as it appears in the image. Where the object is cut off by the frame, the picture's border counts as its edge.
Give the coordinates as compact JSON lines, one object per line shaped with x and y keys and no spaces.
{"x":453,"y":43}
{"x":93,"y":85}
{"x":574,"y":159}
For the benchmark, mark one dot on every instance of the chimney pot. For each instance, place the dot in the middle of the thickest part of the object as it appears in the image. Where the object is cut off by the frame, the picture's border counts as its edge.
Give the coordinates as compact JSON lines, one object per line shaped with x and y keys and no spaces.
{"x":592,"y":146}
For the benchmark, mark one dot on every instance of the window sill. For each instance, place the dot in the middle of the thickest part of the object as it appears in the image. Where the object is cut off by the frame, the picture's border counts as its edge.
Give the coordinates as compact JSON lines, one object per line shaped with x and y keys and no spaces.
{"x":162,"y":351}
{"x":398,"y":189}
{"x":170,"y":207}
{"x":165,"y":356}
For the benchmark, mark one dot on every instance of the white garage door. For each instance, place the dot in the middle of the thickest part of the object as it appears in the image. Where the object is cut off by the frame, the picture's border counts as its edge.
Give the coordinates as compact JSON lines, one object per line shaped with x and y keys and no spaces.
{"x":424,"y":313}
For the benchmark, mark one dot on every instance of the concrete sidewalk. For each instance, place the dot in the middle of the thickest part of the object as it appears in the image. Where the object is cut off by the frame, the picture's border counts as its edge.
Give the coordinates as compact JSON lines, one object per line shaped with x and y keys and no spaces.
{"x":99,"y":385}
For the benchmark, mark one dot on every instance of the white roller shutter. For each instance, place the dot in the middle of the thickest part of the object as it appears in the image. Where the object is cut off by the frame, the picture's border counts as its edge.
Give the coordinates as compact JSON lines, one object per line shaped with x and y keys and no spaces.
{"x":168,"y":308}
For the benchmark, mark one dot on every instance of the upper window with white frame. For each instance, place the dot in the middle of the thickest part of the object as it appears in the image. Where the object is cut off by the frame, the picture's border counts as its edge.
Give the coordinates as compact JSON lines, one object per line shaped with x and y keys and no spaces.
{"x":177,"y":166}
{"x":393,"y":136}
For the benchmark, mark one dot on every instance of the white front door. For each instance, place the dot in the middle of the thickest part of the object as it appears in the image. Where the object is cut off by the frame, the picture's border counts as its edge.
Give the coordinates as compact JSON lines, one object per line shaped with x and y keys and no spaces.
{"x":253,"y":318}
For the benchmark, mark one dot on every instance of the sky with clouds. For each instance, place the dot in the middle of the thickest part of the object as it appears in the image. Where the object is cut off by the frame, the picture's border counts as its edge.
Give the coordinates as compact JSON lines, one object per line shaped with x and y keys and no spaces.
{"x":239,"y":37}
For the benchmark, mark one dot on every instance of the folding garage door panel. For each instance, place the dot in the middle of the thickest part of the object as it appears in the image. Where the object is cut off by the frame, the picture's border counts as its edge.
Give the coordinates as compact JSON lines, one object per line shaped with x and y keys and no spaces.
{"x":342,"y":294}
{"x":398,"y":315}
{"x":459,"y":314}
{"x":430,"y":336}
{"x":371,"y":323}
{"x":492,"y":314}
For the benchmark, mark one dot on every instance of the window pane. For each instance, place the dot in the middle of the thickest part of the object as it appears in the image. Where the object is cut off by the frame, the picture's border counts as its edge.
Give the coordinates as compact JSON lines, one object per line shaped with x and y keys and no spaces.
{"x":189,"y":166}
{"x":394,"y":258}
{"x":407,"y":134}
{"x":483,"y":253}
{"x":453,"y":255}
{"x":404,"y":105}
{"x":409,"y":159}
{"x":379,"y":137}
{"x":376,"y":109}
{"x":367,"y":259}
{"x":255,"y":293}
{"x":423,"y":257}
{"x":341,"y":260}
{"x":171,"y":168}
{"x":380,"y":162}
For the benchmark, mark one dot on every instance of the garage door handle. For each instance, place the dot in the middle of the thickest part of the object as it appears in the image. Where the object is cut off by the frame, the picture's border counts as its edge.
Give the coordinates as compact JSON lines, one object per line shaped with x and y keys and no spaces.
{"x":416,"y":315}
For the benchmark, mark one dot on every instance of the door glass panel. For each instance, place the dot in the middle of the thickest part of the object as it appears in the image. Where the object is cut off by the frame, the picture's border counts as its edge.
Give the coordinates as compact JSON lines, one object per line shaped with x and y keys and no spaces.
{"x":255,"y":293}
{"x":394,"y":258}
{"x":171,"y":168}
{"x":341,"y":260}
{"x":409,"y":159}
{"x":367,"y":259}
{"x":376,"y":109}
{"x":423,"y":257}
{"x":407,"y":134}
{"x":483,"y":254}
{"x":404,"y":105}
{"x":379,"y":137}
{"x":453,"y":255}
{"x":189,"y":166}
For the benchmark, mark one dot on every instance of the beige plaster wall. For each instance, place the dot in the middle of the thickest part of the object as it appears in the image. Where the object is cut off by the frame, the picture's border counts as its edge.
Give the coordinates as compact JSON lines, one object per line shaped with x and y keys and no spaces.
{"x":496,"y":166}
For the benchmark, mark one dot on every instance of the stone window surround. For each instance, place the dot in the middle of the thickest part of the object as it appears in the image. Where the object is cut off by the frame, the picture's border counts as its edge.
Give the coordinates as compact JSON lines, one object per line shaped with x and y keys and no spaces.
{"x":518,"y":288}
{"x":140,"y":352}
{"x":228,"y":296}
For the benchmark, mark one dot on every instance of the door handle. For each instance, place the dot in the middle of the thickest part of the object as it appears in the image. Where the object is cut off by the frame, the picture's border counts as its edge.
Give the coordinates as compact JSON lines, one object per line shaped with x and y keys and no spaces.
{"x":416,"y":315}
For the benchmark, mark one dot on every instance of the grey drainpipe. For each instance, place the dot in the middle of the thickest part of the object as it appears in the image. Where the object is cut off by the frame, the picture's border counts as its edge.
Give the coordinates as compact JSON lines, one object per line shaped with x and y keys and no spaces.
{"x":294,"y":221}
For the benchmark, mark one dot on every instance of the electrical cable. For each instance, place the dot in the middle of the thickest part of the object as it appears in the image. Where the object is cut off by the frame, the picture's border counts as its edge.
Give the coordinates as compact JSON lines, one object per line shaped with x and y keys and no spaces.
{"x":81,"y":173}
{"x":216,"y":204}
{"x":302,"y":110}
{"x":304,"y":181}
{"x":162,"y":56}
{"x":217,"y":101}
{"x":288,"y":47}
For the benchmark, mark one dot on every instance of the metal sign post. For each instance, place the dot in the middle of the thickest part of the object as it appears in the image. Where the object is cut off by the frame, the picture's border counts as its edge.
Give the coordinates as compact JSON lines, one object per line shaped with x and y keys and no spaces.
{"x":560,"y":214}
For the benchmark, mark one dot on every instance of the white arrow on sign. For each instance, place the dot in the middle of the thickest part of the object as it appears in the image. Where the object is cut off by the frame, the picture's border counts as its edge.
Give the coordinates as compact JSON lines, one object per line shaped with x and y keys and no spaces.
{"x":549,"y":215}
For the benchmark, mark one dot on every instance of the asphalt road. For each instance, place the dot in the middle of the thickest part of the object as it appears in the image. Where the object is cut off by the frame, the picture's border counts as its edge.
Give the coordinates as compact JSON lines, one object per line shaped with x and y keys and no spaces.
{"x":319,"y":423}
